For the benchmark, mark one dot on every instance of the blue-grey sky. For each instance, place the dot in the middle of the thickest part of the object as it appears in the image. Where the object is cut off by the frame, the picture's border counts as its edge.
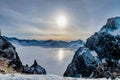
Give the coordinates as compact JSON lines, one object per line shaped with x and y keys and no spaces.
{"x":36,"y":19}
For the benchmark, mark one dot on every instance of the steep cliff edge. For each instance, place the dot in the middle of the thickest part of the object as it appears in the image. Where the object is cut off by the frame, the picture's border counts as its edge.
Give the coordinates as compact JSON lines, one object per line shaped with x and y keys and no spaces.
{"x":10,"y":61}
{"x":8,"y":56}
{"x":106,"y":44}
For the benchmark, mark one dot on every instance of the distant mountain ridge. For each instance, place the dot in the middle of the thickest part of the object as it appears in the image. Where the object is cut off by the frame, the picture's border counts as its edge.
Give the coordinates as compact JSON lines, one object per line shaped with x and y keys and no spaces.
{"x":46,"y":43}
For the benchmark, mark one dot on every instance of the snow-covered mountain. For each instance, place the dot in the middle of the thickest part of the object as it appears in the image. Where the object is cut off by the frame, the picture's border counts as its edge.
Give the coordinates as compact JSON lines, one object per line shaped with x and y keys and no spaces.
{"x":9,"y":57}
{"x":99,"y":57}
{"x":10,"y":61}
{"x":47,"y":43}
{"x":106,"y":44}
{"x":83,"y":64}
{"x":112,"y":26}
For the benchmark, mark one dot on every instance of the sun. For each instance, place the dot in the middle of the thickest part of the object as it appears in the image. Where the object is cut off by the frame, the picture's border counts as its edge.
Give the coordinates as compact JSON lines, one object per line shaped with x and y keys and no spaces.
{"x":61,"y":21}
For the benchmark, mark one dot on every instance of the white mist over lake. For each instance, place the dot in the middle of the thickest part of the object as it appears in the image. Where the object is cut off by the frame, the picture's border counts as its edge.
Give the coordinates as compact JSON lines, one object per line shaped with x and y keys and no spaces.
{"x":54,"y":60}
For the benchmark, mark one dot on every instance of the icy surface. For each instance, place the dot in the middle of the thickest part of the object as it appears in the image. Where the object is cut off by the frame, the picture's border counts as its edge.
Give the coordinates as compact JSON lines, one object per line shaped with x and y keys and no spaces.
{"x":39,"y":77}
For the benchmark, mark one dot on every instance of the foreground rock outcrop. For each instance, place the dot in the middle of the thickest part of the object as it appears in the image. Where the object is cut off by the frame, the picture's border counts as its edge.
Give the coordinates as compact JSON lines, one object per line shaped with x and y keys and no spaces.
{"x":9,"y":57}
{"x":34,"y":69}
{"x":11,"y":63}
{"x":83,"y":64}
{"x":108,"y":69}
{"x":106,"y":43}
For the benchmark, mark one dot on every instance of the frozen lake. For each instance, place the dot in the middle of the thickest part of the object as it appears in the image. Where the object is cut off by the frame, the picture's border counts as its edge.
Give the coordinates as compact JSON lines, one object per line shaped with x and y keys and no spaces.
{"x":54,"y":60}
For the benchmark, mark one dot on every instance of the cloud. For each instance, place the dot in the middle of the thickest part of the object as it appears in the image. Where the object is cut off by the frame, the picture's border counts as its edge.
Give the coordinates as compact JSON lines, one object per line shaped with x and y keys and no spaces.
{"x":18,"y":24}
{"x":35,"y":18}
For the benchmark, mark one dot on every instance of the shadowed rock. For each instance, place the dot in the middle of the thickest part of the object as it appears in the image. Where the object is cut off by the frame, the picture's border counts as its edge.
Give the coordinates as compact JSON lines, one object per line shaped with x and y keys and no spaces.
{"x":34,"y":69}
{"x":82,"y":65}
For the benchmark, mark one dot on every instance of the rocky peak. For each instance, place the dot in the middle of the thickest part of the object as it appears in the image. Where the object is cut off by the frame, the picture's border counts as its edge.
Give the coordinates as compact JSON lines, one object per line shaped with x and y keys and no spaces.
{"x":9,"y":55}
{"x":112,"y":26}
{"x":37,"y":69}
{"x":34,"y":69}
{"x":113,"y":22}
{"x":35,"y":64}
{"x":106,"y":44}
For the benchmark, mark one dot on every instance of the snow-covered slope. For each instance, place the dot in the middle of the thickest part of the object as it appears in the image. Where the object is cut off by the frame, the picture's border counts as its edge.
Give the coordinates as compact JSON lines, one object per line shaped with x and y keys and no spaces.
{"x":76,"y":45}
{"x":83,"y":64}
{"x":106,"y":44}
{"x":112,"y":26}
{"x":39,"y":77}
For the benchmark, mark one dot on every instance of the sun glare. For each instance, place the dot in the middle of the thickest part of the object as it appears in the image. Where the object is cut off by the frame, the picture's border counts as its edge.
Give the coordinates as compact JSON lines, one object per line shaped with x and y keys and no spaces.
{"x":61,"y":21}
{"x":60,"y":55}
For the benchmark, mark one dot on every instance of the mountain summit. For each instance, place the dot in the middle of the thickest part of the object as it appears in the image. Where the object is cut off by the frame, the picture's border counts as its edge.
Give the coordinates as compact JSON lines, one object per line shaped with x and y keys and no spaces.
{"x":105,"y":44}
{"x":112,"y":26}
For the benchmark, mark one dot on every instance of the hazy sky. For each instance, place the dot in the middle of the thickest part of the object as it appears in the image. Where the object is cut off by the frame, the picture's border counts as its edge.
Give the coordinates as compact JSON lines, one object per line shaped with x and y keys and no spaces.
{"x":36,"y":19}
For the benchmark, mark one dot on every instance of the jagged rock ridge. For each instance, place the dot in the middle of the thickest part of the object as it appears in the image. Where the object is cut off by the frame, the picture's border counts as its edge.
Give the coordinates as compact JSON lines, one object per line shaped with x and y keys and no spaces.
{"x":34,"y":69}
{"x":10,"y":61}
{"x":106,"y":43}
{"x":9,"y":56}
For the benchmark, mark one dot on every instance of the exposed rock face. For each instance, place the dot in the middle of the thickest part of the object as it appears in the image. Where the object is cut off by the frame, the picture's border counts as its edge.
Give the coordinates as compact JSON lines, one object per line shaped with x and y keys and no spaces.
{"x":10,"y":61}
{"x":4,"y":67}
{"x":8,"y":56}
{"x":34,"y":69}
{"x":83,"y":64}
{"x":109,"y":69}
{"x":106,"y":43}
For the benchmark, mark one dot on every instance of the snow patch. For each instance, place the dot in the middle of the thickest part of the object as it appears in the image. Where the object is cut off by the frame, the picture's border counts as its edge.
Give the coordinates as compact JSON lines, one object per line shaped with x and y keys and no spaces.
{"x":40,"y":77}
